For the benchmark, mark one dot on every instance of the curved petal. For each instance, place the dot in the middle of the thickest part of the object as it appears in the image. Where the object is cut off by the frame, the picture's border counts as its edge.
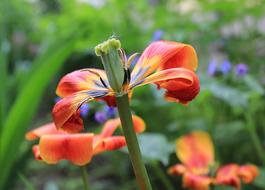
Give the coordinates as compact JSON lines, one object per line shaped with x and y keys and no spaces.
{"x":66,"y":115}
{"x":182,"y":85}
{"x":196,"y":151}
{"x":80,"y":80}
{"x":248,"y":173}
{"x":111,"y":125}
{"x":109,"y":144}
{"x":66,"y":112}
{"x":36,"y":152}
{"x":228,"y":175}
{"x":196,"y":182}
{"x":177,"y":169}
{"x":46,"y":129}
{"x":77,"y":148}
{"x":164,"y":55}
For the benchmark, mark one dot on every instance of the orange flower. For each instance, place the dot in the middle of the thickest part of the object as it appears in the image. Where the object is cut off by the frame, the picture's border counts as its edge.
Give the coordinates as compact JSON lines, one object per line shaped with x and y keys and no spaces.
{"x":169,"y":65}
{"x":78,"y":148}
{"x":196,"y":152}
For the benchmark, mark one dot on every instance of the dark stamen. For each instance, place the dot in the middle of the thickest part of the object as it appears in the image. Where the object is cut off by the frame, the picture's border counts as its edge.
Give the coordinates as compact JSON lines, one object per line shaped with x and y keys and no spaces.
{"x":125,"y":76}
{"x":102,"y":81}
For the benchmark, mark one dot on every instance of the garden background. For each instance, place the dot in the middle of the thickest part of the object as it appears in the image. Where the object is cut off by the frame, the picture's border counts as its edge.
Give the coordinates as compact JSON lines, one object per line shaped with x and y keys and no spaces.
{"x":42,"y":40}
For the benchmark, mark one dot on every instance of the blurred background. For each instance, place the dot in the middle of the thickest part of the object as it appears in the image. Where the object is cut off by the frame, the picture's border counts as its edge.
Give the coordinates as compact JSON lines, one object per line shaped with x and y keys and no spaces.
{"x":42,"y":40}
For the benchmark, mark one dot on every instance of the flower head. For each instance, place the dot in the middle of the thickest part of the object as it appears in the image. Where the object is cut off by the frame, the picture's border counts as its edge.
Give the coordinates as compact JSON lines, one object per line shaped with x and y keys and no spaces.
{"x":196,"y":152}
{"x":212,"y":68}
{"x":169,"y":65}
{"x":100,"y":117}
{"x":157,"y":35}
{"x":226,"y":67}
{"x":84,"y":110}
{"x":79,"y":148}
{"x":216,"y":67}
{"x":110,"y":111}
{"x":241,"y":69}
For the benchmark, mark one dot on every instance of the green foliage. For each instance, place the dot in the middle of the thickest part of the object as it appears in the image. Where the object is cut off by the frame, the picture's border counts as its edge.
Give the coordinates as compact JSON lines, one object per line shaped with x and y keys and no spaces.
{"x":230,"y":107}
{"x":18,"y":119}
{"x":155,"y":147}
{"x":260,"y":180}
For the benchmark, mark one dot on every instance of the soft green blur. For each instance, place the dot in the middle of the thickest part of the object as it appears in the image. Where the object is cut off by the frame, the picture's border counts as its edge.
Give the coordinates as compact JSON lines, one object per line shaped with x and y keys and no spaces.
{"x":41,"y":40}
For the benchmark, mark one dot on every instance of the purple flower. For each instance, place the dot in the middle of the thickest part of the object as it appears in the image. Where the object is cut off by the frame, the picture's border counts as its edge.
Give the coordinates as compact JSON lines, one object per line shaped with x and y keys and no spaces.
{"x":157,"y":35}
{"x":241,"y":69}
{"x":57,"y":99}
{"x":212,"y":68}
{"x":84,"y":110}
{"x":110,"y":111}
{"x":226,"y":67}
{"x":100,"y":117}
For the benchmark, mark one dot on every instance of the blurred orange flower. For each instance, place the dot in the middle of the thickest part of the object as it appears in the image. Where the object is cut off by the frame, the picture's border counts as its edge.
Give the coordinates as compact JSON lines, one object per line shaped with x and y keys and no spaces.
{"x":78,"y":148}
{"x":196,"y":152}
{"x":169,"y":65}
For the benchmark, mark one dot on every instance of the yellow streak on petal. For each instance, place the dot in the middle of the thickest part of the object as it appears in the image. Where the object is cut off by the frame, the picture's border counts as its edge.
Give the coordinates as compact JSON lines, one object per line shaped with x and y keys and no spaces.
{"x":196,"y":151}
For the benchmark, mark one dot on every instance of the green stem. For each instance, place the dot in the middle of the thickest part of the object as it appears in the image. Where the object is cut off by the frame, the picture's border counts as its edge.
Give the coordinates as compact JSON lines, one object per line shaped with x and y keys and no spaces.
{"x":254,"y":137}
{"x":84,"y":177}
{"x":132,"y":142}
{"x":161,"y":175}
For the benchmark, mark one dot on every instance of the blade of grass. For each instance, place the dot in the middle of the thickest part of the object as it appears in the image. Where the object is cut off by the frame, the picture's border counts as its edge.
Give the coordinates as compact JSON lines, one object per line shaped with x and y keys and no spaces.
{"x":3,"y":76}
{"x":26,"y":182}
{"x":26,"y":104}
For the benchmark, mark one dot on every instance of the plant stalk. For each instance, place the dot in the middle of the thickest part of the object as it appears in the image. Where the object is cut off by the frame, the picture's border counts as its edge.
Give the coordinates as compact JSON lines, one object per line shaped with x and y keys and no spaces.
{"x":161,"y":175}
{"x":132,"y":142}
{"x":84,"y":177}
{"x":254,"y":137}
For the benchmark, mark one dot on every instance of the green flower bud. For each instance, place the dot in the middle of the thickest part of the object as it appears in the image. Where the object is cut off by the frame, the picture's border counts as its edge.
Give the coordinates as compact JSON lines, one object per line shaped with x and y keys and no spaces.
{"x":109,"y":53}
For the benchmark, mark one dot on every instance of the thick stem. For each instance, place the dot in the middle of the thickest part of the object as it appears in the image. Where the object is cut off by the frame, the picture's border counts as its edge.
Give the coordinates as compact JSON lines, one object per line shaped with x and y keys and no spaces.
{"x":84,"y":177}
{"x":132,"y":142}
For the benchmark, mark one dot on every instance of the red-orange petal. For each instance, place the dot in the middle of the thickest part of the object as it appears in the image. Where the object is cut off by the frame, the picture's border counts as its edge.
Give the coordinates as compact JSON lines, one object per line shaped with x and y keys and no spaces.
{"x":77,"y":148}
{"x":177,"y":169}
{"x":109,"y":144}
{"x":36,"y":152}
{"x":66,"y":114}
{"x":138,"y":123}
{"x":196,"y":151}
{"x":111,"y":125}
{"x":228,"y":175}
{"x":46,"y":129}
{"x":196,"y":182}
{"x":110,"y":100}
{"x":163,"y":55}
{"x":182,"y":85}
{"x":80,"y":80}
{"x":248,"y":173}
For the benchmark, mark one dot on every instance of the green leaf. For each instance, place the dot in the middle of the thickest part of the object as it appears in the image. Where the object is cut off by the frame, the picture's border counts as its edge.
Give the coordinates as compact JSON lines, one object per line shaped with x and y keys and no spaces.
{"x":254,"y":85}
{"x":155,"y":147}
{"x":3,"y":77}
{"x":27,"y":102}
{"x":229,"y":95}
